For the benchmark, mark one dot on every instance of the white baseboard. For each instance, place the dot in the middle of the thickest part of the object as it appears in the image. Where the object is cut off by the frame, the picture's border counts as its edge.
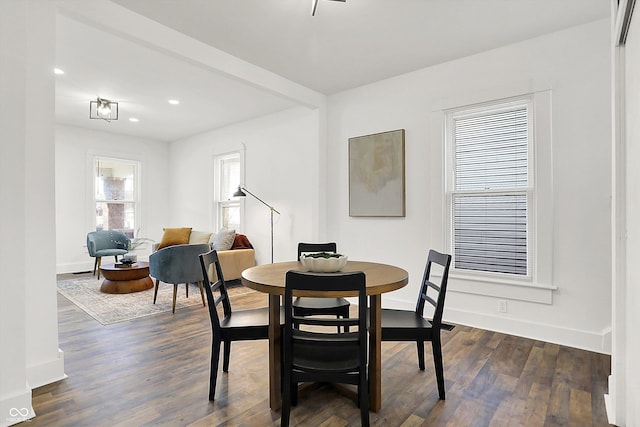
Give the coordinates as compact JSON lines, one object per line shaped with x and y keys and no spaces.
{"x":16,"y":408}
{"x":608,"y":406}
{"x":597,"y":342}
{"x":74,"y":267}
{"x":576,"y":338}
{"x":46,"y":373}
{"x":610,"y":400}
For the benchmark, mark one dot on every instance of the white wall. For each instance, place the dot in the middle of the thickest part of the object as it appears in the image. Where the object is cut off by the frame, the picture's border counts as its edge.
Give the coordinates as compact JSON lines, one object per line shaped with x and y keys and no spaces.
{"x":75,"y":214}
{"x":281,"y":167}
{"x":29,"y":353}
{"x":630,"y":305}
{"x":574,"y":66}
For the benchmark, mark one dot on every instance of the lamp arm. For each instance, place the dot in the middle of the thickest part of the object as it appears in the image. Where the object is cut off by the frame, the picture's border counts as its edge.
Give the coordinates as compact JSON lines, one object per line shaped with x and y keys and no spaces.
{"x":261,"y":201}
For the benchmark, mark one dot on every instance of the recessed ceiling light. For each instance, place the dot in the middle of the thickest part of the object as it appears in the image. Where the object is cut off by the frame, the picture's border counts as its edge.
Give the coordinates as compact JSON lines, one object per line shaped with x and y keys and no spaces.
{"x":133,"y":119}
{"x":174,"y":102}
{"x":58,"y":71}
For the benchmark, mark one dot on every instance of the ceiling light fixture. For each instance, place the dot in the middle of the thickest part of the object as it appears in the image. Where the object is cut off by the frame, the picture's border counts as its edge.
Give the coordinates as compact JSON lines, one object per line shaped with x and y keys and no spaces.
{"x":174,"y":102}
{"x":103,"y":109}
{"x":134,"y":119}
{"x":58,"y":71}
{"x":314,"y":6}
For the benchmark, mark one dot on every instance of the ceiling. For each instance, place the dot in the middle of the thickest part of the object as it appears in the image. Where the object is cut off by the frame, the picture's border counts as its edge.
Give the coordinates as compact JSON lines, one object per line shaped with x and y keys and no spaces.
{"x":344,"y":46}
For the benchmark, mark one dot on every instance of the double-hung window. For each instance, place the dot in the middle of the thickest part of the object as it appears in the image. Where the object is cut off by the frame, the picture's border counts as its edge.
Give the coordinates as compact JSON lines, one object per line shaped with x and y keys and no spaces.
{"x":227,"y":178}
{"x":490,"y":188}
{"x":116,"y":195}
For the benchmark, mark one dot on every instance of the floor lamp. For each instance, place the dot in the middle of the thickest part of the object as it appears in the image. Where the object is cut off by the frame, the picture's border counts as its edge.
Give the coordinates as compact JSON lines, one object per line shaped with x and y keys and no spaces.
{"x":241,"y":193}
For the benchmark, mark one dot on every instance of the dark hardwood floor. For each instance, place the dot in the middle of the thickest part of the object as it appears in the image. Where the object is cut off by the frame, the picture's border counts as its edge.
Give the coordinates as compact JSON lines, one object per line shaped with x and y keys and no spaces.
{"x":155,"y":370}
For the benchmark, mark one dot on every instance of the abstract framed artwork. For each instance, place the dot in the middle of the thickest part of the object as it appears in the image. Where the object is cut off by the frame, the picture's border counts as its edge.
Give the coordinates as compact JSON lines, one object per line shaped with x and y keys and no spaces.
{"x":376,"y":175}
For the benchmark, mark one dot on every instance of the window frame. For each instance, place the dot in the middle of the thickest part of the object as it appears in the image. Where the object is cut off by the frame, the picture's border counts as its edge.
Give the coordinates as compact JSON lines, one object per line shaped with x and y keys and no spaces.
{"x":219,"y":204}
{"x":137,"y":165}
{"x":529,"y":192}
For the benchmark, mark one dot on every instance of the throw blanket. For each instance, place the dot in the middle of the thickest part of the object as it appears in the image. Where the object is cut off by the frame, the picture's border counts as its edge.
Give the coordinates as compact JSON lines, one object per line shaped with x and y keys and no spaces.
{"x":241,"y":242}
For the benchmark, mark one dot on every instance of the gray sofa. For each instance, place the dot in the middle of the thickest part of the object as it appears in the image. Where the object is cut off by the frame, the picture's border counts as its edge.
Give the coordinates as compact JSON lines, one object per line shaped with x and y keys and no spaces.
{"x":232,"y":261}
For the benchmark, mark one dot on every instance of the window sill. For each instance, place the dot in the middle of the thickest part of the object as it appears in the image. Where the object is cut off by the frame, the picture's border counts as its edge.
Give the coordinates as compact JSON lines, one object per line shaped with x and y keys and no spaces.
{"x":501,"y":288}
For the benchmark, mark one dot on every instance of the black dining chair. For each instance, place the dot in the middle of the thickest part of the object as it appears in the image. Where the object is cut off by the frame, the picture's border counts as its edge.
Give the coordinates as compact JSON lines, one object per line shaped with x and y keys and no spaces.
{"x":241,"y":325}
{"x":307,"y":306}
{"x":403,"y":325}
{"x":314,"y":351}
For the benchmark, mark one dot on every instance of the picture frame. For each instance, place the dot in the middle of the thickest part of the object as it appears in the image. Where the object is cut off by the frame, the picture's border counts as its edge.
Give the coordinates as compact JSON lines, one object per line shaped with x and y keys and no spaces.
{"x":377,"y":175}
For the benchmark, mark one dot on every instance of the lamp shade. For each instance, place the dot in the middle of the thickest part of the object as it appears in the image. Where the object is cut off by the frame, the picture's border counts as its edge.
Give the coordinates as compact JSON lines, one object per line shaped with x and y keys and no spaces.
{"x":239,"y":193}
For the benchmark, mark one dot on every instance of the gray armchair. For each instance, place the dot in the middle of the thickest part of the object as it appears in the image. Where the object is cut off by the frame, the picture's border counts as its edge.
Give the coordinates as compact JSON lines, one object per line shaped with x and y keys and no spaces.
{"x":177,"y":264}
{"x":106,"y":243}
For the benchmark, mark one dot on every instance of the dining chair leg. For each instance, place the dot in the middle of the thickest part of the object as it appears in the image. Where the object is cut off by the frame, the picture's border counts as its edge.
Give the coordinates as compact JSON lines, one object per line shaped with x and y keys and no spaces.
{"x":215,"y":360}
{"x":227,"y":355}
{"x":437,"y":361}
{"x":155,"y":293}
{"x":287,"y":390}
{"x":363,"y":396}
{"x":175,"y":294}
{"x":345,"y":314}
{"x":202,"y":292}
{"x":186,"y":285}
{"x":420,"y":354}
{"x":95,"y":265}
{"x":294,"y":393}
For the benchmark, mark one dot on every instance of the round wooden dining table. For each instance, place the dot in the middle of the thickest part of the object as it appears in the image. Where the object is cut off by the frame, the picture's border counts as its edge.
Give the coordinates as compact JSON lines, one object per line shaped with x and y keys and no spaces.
{"x":380,"y":278}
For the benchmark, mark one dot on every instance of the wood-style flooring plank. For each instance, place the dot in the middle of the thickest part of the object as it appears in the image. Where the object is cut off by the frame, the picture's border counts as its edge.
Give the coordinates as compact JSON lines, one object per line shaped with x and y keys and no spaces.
{"x":154,"y":371}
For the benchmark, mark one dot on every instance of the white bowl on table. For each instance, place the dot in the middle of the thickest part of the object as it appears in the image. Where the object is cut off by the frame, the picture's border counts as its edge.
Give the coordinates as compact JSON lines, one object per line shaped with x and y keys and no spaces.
{"x":323,"y":265}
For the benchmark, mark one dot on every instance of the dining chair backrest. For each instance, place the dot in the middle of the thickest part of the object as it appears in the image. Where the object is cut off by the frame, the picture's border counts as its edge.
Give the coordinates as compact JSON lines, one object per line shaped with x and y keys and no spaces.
{"x":217,"y":291}
{"x":316,"y":247}
{"x":353,"y":282}
{"x":313,"y":351}
{"x":433,"y":293}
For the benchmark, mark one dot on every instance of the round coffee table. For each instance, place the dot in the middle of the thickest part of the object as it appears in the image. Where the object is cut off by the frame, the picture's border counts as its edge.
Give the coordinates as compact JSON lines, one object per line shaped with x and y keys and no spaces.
{"x":124,"y":280}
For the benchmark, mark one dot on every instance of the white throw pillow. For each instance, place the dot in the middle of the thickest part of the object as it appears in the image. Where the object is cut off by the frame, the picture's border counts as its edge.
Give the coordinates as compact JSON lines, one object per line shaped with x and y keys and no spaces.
{"x":197,"y":237}
{"x":224,"y":239}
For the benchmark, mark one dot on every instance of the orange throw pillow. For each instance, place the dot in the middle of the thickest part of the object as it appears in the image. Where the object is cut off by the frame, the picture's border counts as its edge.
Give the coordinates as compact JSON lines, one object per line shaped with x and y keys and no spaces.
{"x":174,"y":236}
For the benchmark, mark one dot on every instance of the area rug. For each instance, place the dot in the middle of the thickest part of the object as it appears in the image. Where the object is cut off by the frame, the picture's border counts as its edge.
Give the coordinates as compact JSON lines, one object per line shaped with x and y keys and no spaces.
{"x":113,"y":308}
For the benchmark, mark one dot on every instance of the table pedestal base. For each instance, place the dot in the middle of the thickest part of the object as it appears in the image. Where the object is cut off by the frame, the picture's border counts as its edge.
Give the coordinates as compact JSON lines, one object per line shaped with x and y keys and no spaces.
{"x":124,"y":280}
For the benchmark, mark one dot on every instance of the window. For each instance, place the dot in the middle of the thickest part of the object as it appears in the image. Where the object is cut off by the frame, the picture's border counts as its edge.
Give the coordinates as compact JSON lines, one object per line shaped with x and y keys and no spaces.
{"x":490,"y":188}
{"x":227,"y":179}
{"x":116,"y":194}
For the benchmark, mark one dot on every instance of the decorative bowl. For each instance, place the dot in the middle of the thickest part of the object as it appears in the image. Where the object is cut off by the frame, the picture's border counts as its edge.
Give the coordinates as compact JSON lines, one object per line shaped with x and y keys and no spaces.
{"x":323,"y":262}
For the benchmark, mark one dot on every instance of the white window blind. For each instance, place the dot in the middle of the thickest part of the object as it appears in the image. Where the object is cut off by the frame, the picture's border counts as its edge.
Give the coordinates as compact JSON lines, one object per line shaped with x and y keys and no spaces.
{"x":489,"y":199}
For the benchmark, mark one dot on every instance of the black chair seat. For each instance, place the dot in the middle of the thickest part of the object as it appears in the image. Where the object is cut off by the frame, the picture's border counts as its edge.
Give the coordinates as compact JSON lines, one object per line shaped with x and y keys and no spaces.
{"x":303,"y":305}
{"x":257,"y":319}
{"x":399,"y":325}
